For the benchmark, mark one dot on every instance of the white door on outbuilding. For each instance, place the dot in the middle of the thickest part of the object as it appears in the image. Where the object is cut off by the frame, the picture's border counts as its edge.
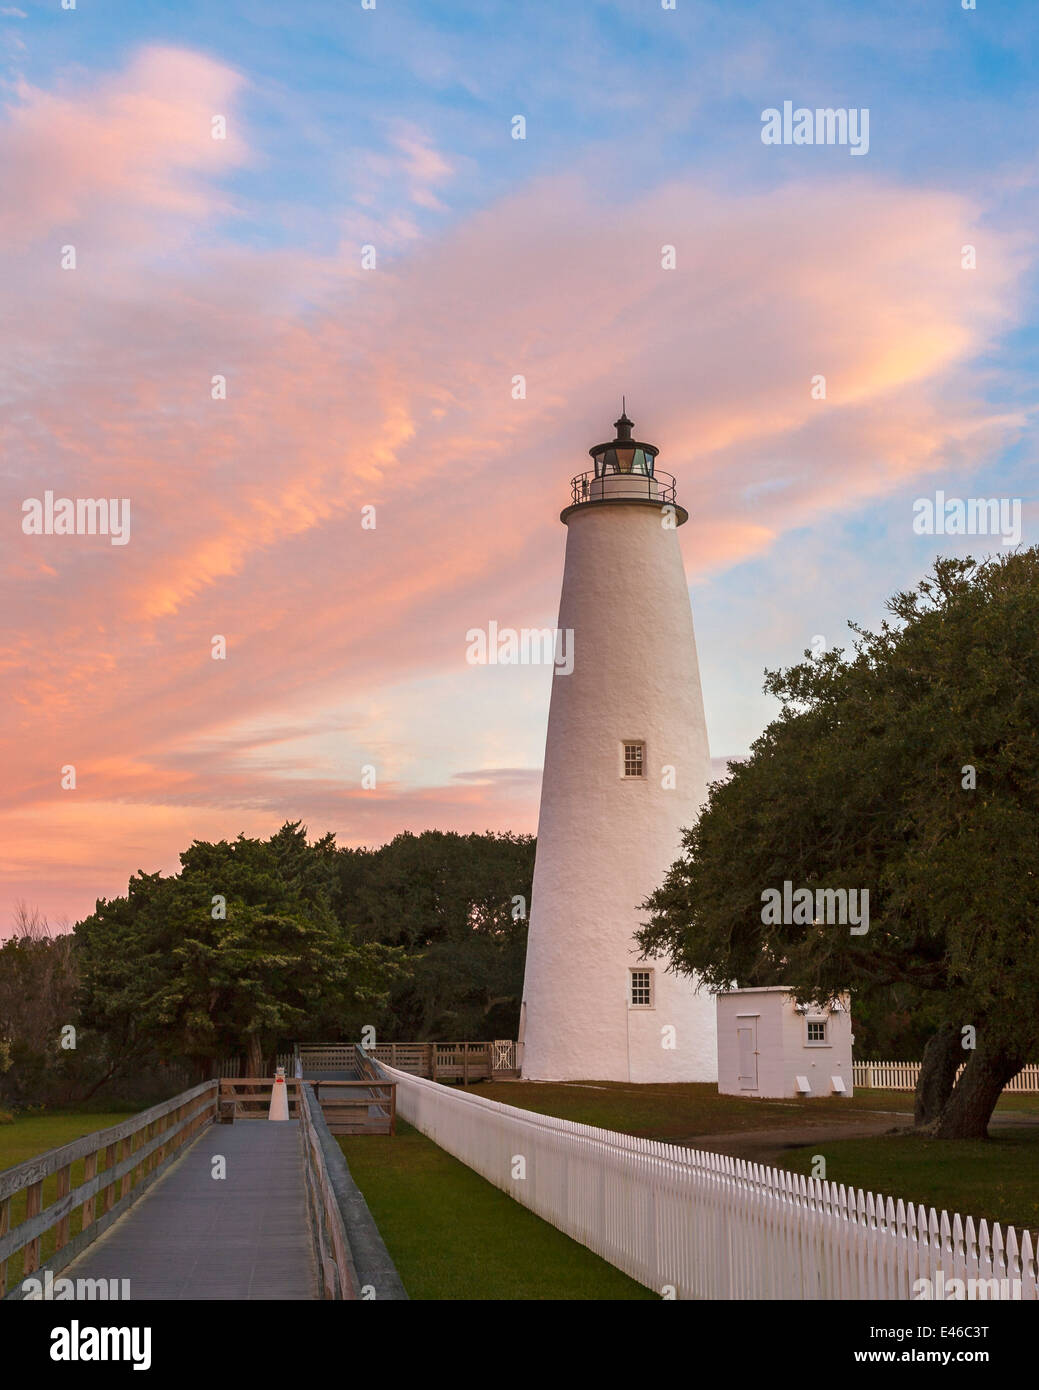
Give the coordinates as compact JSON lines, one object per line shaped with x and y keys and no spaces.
{"x":747,"y":1036}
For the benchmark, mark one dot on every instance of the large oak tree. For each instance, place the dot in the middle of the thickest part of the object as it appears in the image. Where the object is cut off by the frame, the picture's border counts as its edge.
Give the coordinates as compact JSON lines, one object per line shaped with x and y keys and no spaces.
{"x":908,"y":767}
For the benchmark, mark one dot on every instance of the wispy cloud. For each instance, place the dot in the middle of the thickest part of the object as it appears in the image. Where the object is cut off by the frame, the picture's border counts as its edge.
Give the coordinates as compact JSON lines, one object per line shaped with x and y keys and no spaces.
{"x":393,"y":388}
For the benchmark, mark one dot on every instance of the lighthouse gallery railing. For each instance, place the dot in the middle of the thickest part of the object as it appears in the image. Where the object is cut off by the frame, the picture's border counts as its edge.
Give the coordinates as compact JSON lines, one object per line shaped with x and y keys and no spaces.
{"x":653,"y":487}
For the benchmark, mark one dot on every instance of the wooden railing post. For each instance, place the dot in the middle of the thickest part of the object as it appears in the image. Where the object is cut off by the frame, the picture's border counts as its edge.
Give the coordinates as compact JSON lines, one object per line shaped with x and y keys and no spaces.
{"x":108,"y":1197}
{"x":33,"y":1207}
{"x":125,"y":1149}
{"x":61,"y":1234}
{"x":90,"y":1205}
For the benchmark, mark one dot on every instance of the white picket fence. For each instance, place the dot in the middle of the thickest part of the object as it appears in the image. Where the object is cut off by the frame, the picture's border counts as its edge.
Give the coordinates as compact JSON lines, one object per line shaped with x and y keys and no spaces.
{"x":695,"y":1225}
{"x":902,"y":1076}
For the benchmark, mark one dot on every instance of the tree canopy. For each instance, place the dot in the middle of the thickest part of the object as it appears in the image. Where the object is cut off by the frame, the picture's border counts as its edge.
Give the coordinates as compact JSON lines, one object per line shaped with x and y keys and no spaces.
{"x":241,"y":949}
{"x":255,"y":944}
{"x":457,"y":904}
{"x":907,"y":767}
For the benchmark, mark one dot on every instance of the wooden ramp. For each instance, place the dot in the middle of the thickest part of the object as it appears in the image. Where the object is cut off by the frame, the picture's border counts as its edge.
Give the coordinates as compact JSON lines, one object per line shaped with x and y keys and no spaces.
{"x":196,"y":1236}
{"x":200,"y":1197}
{"x":353,"y":1098}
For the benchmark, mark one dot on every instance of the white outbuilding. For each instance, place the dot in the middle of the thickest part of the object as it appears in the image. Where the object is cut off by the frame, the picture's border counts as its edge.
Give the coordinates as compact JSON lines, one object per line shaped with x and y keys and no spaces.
{"x":770,"y":1046}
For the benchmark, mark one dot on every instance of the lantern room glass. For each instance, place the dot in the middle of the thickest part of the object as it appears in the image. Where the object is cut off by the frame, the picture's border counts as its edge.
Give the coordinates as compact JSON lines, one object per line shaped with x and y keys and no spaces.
{"x":624,"y":459}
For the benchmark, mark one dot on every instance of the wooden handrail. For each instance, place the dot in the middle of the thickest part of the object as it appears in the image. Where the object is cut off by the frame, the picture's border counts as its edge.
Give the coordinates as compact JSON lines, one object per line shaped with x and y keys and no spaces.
{"x":338,"y":1273}
{"x":164,"y":1130}
{"x":235,"y":1083}
{"x":367,"y":1069}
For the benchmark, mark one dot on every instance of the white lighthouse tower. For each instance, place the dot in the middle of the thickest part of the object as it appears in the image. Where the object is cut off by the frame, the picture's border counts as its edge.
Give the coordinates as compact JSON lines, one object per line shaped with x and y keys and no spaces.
{"x":626,"y":768}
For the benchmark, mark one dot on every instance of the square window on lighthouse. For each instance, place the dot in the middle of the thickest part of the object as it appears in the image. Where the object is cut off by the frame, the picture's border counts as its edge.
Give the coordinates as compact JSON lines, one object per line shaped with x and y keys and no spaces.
{"x":634,"y":759}
{"x":640,"y":989}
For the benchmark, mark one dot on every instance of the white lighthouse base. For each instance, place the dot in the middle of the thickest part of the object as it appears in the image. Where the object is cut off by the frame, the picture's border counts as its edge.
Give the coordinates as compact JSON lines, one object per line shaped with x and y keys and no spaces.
{"x":675,"y":1040}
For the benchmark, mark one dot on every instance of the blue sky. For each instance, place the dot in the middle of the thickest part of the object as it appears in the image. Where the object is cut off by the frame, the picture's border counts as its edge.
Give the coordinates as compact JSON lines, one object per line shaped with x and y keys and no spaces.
{"x":497,"y":256}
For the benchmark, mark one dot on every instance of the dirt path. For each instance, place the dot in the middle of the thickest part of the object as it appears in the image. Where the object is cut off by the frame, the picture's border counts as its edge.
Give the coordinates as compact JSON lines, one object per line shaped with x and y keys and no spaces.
{"x":765,"y":1145}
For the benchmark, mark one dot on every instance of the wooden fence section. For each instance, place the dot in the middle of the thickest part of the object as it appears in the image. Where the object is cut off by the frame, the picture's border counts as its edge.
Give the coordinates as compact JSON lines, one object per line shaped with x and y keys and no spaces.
{"x":229,"y":1067}
{"x":128,"y":1156}
{"x":450,"y":1061}
{"x":331,"y":1057}
{"x":708,"y":1226}
{"x":461,"y":1061}
{"x":249,"y":1098}
{"x":902,"y":1076}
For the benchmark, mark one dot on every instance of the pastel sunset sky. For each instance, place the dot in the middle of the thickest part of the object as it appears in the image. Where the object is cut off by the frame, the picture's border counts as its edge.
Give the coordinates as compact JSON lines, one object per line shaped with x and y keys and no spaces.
{"x":392,"y":387}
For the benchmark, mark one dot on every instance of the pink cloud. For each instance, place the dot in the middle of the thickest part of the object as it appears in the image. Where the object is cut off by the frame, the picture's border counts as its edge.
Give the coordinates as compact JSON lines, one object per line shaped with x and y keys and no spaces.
{"x":139,"y":146}
{"x":424,"y":165}
{"x":397,"y":391}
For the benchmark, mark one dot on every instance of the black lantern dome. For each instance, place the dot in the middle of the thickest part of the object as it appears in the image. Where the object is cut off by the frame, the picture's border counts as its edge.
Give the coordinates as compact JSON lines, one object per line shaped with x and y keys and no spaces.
{"x":624,"y":454}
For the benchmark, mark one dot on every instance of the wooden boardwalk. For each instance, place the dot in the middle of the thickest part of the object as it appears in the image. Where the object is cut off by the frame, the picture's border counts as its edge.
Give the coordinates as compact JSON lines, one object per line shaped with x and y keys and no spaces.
{"x":195,"y":1236}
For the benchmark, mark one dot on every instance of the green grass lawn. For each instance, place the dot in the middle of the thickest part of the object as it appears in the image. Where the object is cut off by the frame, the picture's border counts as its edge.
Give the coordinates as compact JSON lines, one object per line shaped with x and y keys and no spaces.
{"x":452,"y":1235}
{"x":679,"y":1113}
{"x":33,"y":1134}
{"x":997,"y":1179}
{"x":1026,"y":1101}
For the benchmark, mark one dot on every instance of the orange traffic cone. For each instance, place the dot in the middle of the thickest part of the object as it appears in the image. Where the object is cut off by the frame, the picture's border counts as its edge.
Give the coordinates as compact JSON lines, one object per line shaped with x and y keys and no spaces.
{"x":279,"y":1097}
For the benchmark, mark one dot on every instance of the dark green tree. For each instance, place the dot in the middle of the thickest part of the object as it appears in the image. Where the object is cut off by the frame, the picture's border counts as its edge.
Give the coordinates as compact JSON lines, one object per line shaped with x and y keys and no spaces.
{"x":909,"y":768}
{"x":239,"y":951}
{"x":457,"y":904}
{"x":44,"y":1055}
